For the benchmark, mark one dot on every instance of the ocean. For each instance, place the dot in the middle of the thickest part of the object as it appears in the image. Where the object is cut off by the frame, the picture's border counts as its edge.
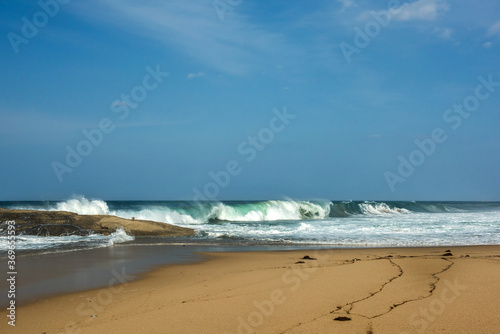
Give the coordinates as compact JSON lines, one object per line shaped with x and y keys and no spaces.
{"x":280,"y":222}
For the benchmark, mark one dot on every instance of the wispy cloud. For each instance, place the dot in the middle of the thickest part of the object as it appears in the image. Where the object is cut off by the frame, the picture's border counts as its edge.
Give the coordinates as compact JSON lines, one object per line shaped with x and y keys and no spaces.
{"x":195,"y":75}
{"x":347,"y":4}
{"x":235,"y":46}
{"x":422,"y":10}
{"x":494,"y":30}
{"x":444,"y":33}
{"x":118,"y":103}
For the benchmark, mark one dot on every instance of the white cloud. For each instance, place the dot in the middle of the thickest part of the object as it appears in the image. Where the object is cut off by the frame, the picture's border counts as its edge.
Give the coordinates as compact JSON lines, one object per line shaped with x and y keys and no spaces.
{"x":487,"y":45}
{"x":235,"y":45}
{"x":347,"y":4}
{"x":119,"y":103}
{"x":494,"y":29}
{"x":423,"y":10}
{"x":195,"y":75}
{"x":444,"y":33}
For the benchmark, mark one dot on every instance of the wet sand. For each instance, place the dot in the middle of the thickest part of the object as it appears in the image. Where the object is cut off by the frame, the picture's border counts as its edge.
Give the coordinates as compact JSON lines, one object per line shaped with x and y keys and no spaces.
{"x":391,"y":290}
{"x":41,"y":276}
{"x":44,"y":275}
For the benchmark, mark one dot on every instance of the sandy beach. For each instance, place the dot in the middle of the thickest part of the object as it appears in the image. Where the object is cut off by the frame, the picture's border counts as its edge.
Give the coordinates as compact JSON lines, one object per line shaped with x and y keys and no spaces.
{"x":391,"y":290}
{"x":244,"y":167}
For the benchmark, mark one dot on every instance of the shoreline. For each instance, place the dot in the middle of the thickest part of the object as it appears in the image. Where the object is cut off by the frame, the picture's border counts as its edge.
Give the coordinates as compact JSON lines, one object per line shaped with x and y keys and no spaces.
{"x":140,"y":259}
{"x":246,"y":270}
{"x":58,"y":272}
{"x":55,"y":270}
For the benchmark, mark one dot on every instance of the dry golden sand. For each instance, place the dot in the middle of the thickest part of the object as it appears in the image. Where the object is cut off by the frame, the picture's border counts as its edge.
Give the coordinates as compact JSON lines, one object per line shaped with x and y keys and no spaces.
{"x":398,"y":290}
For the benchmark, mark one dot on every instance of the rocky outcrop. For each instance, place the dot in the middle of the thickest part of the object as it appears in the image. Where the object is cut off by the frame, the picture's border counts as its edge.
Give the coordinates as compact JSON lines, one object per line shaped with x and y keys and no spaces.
{"x":55,"y":223}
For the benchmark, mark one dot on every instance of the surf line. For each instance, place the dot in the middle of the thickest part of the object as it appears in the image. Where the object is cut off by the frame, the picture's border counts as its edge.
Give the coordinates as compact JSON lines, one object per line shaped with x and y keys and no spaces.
{"x":249,"y":149}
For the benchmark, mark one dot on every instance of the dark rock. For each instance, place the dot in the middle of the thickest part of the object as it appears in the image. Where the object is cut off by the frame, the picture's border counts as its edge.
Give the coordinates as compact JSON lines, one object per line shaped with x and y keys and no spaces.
{"x":299,"y":262}
{"x":307,"y":257}
{"x":342,"y":319}
{"x":447,"y":254}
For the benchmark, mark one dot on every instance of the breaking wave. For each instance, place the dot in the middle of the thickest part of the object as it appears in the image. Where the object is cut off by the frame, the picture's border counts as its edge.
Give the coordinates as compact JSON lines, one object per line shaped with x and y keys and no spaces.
{"x":195,"y":213}
{"x":354,"y":223}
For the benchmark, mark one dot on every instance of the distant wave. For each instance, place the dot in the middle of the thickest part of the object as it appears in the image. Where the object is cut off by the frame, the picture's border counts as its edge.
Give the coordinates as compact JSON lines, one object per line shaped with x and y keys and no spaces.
{"x":196,"y":213}
{"x":345,"y":209}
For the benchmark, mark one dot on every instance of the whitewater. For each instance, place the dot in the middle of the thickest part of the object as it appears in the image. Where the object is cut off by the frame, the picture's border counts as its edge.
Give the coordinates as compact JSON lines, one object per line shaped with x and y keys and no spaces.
{"x":325,"y":223}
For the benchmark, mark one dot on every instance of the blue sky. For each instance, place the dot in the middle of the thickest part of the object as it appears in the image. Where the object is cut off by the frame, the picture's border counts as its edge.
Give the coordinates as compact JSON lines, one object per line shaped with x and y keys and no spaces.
{"x":354,"y":117}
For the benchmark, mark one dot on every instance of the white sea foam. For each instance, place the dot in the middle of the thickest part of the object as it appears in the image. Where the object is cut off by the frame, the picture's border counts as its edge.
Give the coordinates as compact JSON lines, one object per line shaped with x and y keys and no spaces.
{"x":334,"y":223}
{"x":119,"y":236}
{"x":380,"y":209}
{"x":269,"y":211}
{"x":83,"y":206}
{"x":34,"y":242}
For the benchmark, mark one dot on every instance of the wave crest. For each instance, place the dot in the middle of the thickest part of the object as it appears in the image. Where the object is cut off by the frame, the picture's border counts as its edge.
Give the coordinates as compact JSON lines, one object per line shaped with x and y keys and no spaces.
{"x":119,"y":236}
{"x":197,"y":213}
{"x":268,"y":211}
{"x":83,"y":206}
{"x":381,"y":209}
